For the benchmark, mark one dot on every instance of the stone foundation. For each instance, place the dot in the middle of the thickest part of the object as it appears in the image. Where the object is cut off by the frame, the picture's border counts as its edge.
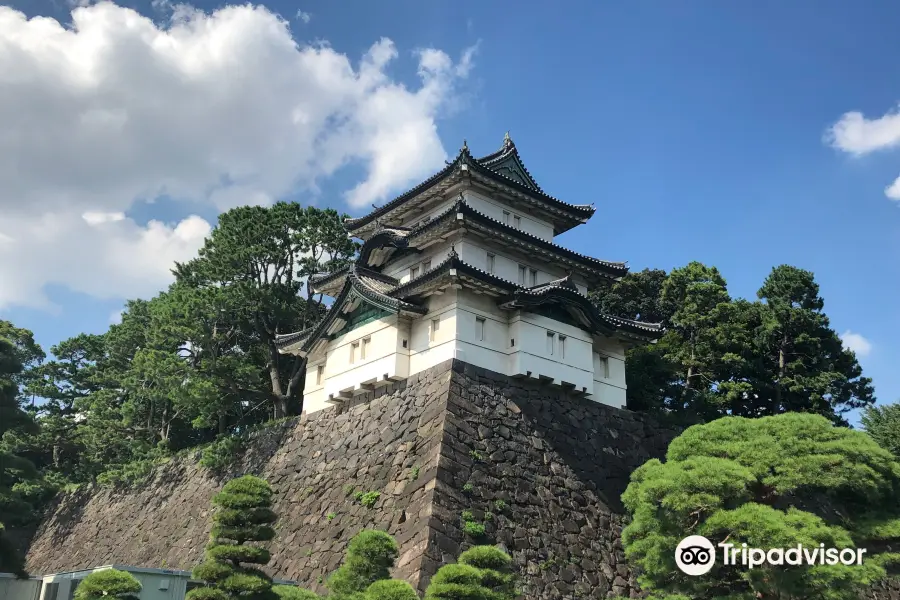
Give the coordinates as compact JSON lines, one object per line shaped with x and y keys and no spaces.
{"x":541,"y":469}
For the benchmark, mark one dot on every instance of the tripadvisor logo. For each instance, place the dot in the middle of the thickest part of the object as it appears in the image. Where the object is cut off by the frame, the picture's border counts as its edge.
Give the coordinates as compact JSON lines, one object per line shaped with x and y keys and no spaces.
{"x":696,"y":555}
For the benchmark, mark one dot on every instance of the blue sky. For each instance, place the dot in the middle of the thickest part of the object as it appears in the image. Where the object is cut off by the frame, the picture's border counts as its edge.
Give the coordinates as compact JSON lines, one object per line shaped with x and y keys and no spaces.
{"x":697,"y":129}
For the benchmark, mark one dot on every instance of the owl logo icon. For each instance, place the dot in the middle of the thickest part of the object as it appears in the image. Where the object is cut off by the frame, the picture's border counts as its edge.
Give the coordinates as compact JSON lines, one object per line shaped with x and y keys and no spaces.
{"x":695,"y":555}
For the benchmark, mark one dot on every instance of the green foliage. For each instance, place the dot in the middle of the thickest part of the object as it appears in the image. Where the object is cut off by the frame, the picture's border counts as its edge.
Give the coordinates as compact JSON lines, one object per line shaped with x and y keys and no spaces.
{"x":474,"y":529}
{"x":390,"y":589}
{"x":243,"y":514}
{"x":414,"y":473}
{"x":500,"y":505}
{"x":722,"y":356}
{"x":475,"y":454}
{"x":753,"y":481}
{"x":483,"y":573}
{"x":370,"y":556}
{"x":15,"y":470}
{"x":883,"y":424}
{"x":109,"y":583}
{"x":221,"y":454}
{"x":367,"y":499}
{"x":330,"y":516}
{"x":468,"y":489}
{"x":290,"y":592}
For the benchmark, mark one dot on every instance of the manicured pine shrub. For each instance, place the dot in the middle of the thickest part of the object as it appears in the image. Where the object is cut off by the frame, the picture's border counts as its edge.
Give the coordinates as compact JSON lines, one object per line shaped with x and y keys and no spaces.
{"x":243,"y":514}
{"x":482,"y":573}
{"x":108,"y":584}
{"x":370,"y":556}
{"x":290,"y":592}
{"x":391,"y":589}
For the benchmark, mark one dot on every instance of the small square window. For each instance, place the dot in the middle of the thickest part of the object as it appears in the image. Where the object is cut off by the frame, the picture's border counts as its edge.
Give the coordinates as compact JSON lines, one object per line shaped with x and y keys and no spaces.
{"x":320,"y":374}
{"x":490,"y":263}
{"x":426,"y":265}
{"x":414,"y":272}
{"x":479,"y":329}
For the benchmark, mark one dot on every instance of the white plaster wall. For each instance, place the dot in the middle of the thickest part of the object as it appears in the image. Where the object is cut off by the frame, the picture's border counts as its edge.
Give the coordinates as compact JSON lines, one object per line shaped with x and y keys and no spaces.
{"x":19,"y":589}
{"x":494,"y":208}
{"x":425,"y":352}
{"x":609,"y":390}
{"x":507,"y":266}
{"x":573,"y":367}
{"x":437,"y":253}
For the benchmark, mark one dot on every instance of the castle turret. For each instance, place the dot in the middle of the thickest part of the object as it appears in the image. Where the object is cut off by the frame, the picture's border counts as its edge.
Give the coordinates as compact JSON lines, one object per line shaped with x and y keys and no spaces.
{"x":465,"y":266}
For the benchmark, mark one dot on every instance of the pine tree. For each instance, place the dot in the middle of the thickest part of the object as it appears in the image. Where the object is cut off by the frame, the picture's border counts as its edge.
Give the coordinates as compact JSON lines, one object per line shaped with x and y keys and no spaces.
{"x":13,"y":469}
{"x":773,"y":482}
{"x":243,"y":514}
{"x":108,"y":584}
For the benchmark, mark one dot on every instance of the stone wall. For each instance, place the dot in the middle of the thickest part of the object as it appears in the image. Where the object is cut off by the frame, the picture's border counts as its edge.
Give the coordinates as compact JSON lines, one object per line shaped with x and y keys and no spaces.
{"x":541,"y":469}
{"x":389,"y":444}
{"x":557,"y":464}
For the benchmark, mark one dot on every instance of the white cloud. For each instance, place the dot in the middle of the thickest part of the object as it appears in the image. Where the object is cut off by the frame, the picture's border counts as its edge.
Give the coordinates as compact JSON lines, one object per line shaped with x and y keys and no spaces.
{"x":856,"y":342}
{"x":858,"y":135}
{"x":303,"y":16}
{"x":222,"y":108}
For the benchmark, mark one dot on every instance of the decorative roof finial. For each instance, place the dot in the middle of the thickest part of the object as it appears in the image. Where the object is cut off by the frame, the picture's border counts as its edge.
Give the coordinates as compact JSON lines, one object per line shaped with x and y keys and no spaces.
{"x":465,"y":147}
{"x":452,"y":253}
{"x":507,"y":141}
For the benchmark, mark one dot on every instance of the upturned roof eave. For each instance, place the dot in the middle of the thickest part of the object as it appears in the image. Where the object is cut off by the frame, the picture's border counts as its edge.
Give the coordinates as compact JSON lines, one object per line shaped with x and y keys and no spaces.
{"x":575,"y":214}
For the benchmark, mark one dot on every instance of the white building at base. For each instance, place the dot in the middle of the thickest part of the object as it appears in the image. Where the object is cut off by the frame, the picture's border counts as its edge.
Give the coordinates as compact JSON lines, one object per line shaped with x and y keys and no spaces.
{"x":464,"y":266}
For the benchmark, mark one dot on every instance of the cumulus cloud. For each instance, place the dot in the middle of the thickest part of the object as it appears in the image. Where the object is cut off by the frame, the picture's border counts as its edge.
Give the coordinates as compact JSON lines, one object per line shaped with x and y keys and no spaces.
{"x":222,"y":108}
{"x":856,"y":342}
{"x":303,"y":16}
{"x":855,"y":134}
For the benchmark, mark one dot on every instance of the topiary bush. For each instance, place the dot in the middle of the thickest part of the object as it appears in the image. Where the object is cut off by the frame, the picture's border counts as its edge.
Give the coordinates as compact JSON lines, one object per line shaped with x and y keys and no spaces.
{"x":483,"y":573}
{"x":243,"y":514}
{"x":290,"y":592}
{"x":107,"y":584}
{"x":370,"y":556}
{"x":391,"y":589}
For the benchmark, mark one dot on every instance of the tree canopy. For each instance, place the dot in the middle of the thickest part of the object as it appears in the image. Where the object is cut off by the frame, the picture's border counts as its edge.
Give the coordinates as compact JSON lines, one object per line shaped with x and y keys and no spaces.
{"x":725,"y":356}
{"x":770,"y":482}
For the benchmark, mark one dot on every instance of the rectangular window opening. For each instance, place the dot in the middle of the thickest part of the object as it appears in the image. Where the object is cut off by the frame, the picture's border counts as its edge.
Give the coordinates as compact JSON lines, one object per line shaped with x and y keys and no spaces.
{"x":490,"y":263}
{"x":562,"y":346}
{"x":533,"y":277}
{"x":405,"y":343}
{"x":602,"y":366}
{"x":426,"y":266}
{"x":512,"y":342}
{"x":364,"y":349}
{"x":435,"y":325}
{"x":479,"y":329}
{"x":414,"y":272}
{"x":320,"y":374}
{"x":506,"y":217}
{"x":517,"y":222}
{"x":551,"y":341}
{"x":522,"y":271}
{"x":354,"y":350}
